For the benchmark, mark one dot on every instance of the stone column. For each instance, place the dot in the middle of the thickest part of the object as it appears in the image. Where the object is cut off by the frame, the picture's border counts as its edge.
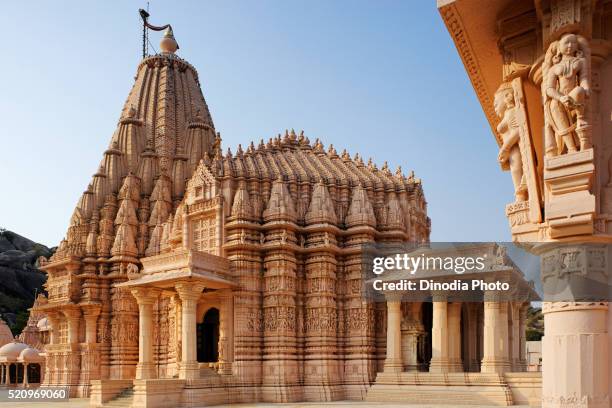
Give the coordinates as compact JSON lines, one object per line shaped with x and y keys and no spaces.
{"x":25,"y":374}
{"x":50,"y":373}
{"x":145,"y":298}
{"x":454,"y":337}
{"x":522,"y":363}
{"x":439,"y":336}
{"x":393,"y":362}
{"x":91,"y":318}
{"x":2,"y":374}
{"x":574,"y":354}
{"x":515,"y":336}
{"x":189,"y":294}
{"x":226,"y":334}
{"x":495,"y":358}
{"x":73,"y":316}
{"x":575,"y":346}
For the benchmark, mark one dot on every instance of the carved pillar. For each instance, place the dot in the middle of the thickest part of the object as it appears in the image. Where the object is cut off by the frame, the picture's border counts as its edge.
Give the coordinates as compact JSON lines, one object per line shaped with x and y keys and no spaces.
{"x":73,"y":357}
{"x":90,"y":355}
{"x":50,"y":373}
{"x":243,"y":249}
{"x":393,"y":362}
{"x":495,"y":353}
{"x":73,"y":316}
{"x":360,"y":365}
{"x":124,"y":332}
{"x":226,"y":326}
{"x":53,"y":320}
{"x":104,"y":327}
{"x":189,"y":293}
{"x":515,"y":336}
{"x":145,"y":298}
{"x":522,"y":357}
{"x":321,"y":366}
{"x":574,"y":329}
{"x":454,"y":337}
{"x":439,"y":336}
{"x":91,"y":319}
{"x":280,"y":360}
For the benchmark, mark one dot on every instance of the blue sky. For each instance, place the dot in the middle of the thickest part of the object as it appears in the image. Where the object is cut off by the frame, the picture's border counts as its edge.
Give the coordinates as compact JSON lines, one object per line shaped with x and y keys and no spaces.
{"x":379,"y":78}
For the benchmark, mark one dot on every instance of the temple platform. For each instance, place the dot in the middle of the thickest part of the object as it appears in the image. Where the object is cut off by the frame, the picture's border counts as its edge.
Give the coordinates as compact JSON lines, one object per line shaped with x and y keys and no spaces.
{"x":471,"y":389}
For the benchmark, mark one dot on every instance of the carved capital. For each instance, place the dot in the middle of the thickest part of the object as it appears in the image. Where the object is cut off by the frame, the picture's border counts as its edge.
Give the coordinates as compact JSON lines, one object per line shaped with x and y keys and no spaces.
{"x":189,"y":291}
{"x":145,"y":295}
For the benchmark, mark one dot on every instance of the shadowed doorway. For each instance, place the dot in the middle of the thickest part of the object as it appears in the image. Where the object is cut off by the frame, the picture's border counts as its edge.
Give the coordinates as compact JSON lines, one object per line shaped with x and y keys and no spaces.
{"x":208,"y":337}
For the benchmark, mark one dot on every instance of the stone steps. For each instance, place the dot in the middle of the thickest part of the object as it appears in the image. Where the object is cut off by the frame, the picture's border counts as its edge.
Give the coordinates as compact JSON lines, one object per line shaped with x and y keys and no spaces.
{"x":207,"y":372}
{"x":124,"y":399}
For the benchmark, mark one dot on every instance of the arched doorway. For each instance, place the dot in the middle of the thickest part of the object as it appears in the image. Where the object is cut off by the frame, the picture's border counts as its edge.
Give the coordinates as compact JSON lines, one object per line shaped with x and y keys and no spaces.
{"x":33,"y":373}
{"x":208,"y":337}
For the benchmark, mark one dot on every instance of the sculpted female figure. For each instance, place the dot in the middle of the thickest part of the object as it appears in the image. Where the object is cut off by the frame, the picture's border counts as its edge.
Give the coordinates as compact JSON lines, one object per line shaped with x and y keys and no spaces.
{"x":509,"y":129}
{"x":565,"y":88}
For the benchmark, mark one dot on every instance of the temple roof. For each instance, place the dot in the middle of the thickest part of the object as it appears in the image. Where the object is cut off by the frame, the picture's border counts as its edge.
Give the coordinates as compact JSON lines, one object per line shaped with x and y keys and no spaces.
{"x":295,"y":158}
{"x":166,"y":133}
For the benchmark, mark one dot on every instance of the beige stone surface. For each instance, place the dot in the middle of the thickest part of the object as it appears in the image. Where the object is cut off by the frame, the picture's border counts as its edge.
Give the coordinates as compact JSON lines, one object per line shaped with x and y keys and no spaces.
{"x":189,"y":277}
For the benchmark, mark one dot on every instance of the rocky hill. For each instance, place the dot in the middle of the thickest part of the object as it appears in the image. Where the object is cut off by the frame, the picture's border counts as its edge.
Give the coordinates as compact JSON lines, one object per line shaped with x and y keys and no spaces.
{"x":20,"y":278}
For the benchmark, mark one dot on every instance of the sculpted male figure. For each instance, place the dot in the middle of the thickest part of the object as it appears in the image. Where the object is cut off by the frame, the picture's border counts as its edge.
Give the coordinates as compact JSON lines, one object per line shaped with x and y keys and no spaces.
{"x":509,"y":129}
{"x":565,"y":88}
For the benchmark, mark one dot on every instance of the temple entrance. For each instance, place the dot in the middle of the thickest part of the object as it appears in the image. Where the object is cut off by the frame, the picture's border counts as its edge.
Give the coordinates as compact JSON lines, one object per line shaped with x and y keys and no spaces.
{"x":424,"y":350}
{"x":33,"y":373}
{"x":208,"y":337}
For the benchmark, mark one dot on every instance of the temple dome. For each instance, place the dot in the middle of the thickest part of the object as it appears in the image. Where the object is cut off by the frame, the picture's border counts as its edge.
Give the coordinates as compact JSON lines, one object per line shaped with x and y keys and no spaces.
{"x":11,"y":351}
{"x":30,"y":354}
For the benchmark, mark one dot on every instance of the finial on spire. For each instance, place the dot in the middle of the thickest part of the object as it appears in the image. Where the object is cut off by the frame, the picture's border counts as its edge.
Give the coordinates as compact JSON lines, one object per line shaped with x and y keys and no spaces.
{"x":168,"y":43}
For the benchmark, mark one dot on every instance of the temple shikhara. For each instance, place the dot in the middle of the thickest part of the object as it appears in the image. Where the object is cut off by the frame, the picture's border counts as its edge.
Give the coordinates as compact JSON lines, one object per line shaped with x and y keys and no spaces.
{"x":191,"y":276}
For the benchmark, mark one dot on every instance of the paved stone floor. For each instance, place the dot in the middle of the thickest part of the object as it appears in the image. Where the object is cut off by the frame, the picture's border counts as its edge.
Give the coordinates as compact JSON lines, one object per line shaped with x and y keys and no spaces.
{"x":72,"y":403}
{"x":84,"y":403}
{"x":345,"y":404}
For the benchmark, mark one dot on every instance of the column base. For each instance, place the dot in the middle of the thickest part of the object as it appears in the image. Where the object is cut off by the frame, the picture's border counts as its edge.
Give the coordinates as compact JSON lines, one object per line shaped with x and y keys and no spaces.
{"x":411,"y":368}
{"x":455,"y":366}
{"x":439,"y":365}
{"x":494,"y":366}
{"x":189,"y":370}
{"x":145,"y":371}
{"x":393,"y":366}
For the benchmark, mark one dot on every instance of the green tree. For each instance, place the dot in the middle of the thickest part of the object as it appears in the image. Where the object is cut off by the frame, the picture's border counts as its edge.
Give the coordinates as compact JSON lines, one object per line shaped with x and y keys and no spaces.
{"x":535,"y":324}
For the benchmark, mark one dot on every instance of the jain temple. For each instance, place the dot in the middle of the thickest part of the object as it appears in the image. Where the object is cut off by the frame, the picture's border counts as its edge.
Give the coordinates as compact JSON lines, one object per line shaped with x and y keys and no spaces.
{"x":192,"y":276}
